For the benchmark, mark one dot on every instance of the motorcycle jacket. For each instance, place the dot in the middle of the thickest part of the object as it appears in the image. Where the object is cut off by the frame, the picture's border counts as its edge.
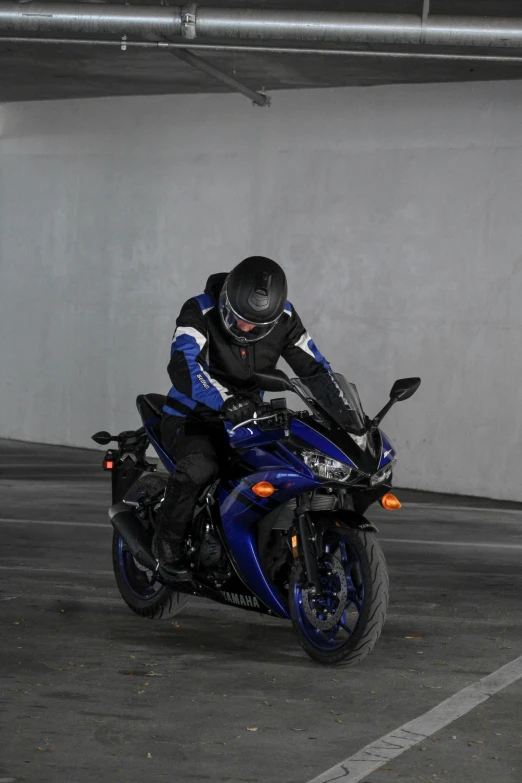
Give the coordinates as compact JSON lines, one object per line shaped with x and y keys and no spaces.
{"x":207,"y":367}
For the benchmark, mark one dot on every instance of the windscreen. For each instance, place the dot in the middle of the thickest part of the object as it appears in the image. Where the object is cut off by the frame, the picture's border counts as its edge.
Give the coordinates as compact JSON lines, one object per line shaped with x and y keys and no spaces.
{"x":336,"y":396}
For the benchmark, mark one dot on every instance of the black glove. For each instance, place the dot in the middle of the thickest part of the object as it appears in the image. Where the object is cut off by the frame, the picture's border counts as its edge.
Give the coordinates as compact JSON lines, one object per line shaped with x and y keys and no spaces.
{"x":238,"y":408}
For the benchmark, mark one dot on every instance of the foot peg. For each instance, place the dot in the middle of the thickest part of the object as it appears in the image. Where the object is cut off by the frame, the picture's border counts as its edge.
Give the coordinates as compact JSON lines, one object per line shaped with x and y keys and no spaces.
{"x":174,"y":573}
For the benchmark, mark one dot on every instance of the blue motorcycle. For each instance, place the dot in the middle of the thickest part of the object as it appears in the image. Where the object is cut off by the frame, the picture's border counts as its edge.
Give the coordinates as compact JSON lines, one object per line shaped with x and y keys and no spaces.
{"x":282,"y":532}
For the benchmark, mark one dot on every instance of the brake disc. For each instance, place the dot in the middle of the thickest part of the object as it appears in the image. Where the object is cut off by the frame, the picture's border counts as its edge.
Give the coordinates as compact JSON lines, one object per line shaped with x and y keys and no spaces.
{"x":314,"y":604}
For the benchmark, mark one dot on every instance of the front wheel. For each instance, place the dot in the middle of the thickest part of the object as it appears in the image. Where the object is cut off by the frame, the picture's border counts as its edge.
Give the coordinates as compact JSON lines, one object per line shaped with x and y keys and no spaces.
{"x":137,"y":585}
{"x":341,"y":623}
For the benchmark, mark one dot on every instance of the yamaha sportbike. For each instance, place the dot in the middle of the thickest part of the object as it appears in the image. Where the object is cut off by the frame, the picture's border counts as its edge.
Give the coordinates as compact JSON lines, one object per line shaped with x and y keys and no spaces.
{"x":282,"y":532}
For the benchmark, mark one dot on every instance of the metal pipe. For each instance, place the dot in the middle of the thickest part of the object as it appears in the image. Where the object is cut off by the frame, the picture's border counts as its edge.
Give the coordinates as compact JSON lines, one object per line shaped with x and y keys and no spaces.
{"x":327,"y":26}
{"x":193,"y":21}
{"x":347,"y":27}
{"x":196,"y":62}
{"x":91,"y":18}
{"x":490,"y":58}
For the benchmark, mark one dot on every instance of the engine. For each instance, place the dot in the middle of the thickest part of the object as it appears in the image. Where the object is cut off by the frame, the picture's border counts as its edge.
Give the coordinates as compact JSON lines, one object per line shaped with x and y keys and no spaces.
{"x":210,"y":551}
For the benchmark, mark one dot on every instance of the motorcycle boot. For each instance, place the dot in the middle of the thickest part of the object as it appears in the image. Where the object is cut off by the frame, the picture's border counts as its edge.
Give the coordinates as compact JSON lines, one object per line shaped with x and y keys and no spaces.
{"x":167,"y":549}
{"x":168,"y":553}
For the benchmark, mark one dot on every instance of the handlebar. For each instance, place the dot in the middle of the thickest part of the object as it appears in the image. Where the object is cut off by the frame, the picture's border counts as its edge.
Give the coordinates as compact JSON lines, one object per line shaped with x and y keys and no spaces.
{"x":255,"y":418}
{"x":264,"y":412}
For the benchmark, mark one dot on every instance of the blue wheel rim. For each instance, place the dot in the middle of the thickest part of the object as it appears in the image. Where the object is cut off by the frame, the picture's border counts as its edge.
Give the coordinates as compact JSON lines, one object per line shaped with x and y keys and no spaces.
{"x":136,"y":578}
{"x":342,"y":631}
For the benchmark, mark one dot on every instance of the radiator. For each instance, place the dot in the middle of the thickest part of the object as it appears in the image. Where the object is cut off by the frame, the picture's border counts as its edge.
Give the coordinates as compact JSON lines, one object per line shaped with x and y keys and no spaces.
{"x":285,"y":515}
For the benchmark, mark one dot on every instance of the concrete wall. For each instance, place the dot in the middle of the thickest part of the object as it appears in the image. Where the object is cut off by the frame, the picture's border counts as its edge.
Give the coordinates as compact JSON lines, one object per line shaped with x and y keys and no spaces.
{"x":396,"y":212}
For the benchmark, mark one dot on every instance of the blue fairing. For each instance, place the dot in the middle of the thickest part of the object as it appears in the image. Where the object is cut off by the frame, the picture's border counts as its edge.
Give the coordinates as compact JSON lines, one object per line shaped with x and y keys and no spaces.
{"x":241,"y":510}
{"x":244,"y":437}
{"x":387,"y":451}
{"x":318,"y":441}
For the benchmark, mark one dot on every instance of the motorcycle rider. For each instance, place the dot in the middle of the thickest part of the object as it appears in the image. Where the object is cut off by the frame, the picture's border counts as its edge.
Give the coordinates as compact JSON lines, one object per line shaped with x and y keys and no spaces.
{"x":240,"y":325}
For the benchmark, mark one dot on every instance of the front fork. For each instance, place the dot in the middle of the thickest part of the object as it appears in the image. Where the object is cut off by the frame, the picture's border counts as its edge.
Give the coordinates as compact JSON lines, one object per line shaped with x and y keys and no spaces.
{"x":307,"y":543}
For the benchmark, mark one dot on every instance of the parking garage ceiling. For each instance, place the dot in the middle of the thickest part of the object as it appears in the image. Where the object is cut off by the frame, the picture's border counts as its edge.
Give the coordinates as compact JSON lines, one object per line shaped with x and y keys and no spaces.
{"x":35,"y":71}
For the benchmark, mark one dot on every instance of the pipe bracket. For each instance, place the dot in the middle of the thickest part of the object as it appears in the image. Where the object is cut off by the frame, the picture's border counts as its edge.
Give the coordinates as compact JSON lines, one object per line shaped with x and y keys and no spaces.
{"x":188,"y":21}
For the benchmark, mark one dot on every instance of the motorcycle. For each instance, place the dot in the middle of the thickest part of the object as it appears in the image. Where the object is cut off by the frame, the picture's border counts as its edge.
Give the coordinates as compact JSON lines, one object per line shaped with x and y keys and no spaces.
{"x":282,"y":532}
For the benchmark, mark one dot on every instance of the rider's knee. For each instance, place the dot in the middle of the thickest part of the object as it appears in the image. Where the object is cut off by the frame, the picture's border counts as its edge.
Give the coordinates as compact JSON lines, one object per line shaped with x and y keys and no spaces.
{"x":198,"y":469}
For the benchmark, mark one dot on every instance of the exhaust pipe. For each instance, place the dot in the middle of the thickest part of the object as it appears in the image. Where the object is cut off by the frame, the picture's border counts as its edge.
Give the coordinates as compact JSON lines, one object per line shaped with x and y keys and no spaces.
{"x":128,"y":526}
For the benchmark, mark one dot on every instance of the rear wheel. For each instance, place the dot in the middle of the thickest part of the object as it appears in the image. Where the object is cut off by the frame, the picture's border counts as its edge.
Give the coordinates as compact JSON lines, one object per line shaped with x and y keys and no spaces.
{"x":138,"y":586}
{"x":342,"y":622}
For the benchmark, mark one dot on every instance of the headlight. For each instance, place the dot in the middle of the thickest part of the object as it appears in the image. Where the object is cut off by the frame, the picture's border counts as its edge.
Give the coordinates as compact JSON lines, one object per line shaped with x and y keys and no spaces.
{"x":383,"y":474}
{"x":325,"y":467}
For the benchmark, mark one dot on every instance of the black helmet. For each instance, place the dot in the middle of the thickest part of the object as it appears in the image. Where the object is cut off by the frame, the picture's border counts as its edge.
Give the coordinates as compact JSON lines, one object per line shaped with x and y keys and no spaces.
{"x":255,"y":292}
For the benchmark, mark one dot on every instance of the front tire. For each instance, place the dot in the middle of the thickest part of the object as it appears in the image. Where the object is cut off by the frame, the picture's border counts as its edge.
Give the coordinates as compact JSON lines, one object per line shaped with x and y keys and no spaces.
{"x":138,"y":587}
{"x":342,"y":625}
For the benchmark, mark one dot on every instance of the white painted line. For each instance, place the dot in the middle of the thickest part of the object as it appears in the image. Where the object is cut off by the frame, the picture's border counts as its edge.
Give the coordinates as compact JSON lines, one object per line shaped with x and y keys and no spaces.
{"x":380,"y":752}
{"x":94,"y":600}
{"x":30,"y":569}
{"x":448,"y":507}
{"x":35,"y":487}
{"x":38,"y":464}
{"x":9,"y":521}
{"x":468,"y":544}
{"x":464,"y":523}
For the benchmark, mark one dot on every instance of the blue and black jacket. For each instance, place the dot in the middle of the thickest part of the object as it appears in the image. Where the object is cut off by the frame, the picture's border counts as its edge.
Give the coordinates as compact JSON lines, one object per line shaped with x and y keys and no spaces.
{"x":206,"y":366}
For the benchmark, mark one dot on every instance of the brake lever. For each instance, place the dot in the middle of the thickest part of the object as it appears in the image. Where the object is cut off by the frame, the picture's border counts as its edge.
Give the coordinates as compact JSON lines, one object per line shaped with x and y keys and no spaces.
{"x":249,"y":421}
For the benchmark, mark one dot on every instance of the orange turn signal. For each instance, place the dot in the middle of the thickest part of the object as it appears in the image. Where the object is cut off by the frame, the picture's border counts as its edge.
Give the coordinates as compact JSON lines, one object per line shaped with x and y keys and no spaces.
{"x":390,"y":502}
{"x":263,"y":489}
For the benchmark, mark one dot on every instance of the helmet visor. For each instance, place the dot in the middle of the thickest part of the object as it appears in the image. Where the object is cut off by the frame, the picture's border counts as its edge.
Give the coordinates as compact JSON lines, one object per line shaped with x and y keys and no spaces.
{"x":241,"y":330}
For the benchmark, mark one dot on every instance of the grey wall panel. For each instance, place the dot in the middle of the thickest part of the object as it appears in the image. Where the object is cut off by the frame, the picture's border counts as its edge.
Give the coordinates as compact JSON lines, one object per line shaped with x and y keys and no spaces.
{"x":396,"y":212}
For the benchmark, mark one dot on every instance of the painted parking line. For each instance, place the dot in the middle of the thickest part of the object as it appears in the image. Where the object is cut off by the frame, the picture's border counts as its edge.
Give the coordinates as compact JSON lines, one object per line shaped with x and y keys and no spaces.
{"x":14,"y":521}
{"x":448,"y":507}
{"x":75,"y":571}
{"x":46,"y":465}
{"x":373,"y":756}
{"x":466,"y":544}
{"x":434,"y":519}
{"x":46,"y":598}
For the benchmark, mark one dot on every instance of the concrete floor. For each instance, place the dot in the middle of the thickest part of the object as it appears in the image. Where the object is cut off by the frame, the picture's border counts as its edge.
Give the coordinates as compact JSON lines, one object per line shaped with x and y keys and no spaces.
{"x":91,"y":692}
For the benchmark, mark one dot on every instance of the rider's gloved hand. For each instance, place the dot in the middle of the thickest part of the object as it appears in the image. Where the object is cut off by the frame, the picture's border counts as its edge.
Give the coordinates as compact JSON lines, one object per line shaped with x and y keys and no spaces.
{"x":238,"y":408}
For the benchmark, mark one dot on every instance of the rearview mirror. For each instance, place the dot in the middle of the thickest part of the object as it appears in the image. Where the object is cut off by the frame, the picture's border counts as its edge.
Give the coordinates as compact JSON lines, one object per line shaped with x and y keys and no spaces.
{"x":404,"y":388}
{"x":273,"y":381}
{"x":102,"y":438}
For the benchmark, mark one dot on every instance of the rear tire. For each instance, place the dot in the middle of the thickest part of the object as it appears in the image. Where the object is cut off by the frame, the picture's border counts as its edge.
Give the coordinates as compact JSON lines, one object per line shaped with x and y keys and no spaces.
{"x":145,"y":596}
{"x":367,"y":592}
